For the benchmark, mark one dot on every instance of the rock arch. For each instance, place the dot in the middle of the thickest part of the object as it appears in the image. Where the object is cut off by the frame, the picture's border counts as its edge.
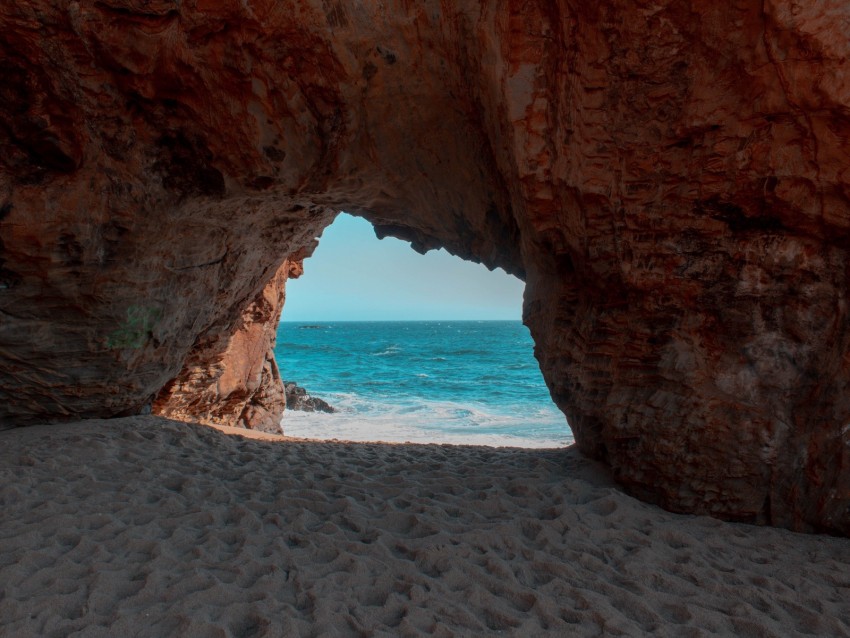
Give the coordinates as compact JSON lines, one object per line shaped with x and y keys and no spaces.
{"x":670,"y":182}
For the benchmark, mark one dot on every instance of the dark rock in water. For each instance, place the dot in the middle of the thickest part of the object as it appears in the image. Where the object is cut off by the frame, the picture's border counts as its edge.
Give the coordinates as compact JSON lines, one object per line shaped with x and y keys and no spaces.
{"x":298,"y":399}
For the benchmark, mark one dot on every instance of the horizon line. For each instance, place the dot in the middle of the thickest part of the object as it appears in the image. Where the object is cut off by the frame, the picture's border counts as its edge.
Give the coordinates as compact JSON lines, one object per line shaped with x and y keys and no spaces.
{"x":282,"y":320}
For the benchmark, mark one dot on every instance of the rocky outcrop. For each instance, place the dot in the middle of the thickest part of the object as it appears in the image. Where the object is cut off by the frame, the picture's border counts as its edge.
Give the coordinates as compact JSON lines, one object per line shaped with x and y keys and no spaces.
{"x":669,"y":179}
{"x":298,"y":399}
{"x":233,"y":379}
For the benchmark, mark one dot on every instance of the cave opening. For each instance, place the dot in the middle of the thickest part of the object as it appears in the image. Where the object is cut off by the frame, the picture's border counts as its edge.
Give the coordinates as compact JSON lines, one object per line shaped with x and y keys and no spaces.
{"x":409,"y":347}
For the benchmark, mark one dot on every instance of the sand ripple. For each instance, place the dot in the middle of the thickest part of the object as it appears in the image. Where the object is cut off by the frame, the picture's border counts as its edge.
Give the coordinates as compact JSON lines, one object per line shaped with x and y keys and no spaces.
{"x":147,"y":527}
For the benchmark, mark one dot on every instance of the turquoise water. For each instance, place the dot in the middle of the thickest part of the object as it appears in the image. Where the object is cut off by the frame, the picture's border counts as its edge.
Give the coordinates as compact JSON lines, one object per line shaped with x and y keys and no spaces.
{"x":473,"y":382}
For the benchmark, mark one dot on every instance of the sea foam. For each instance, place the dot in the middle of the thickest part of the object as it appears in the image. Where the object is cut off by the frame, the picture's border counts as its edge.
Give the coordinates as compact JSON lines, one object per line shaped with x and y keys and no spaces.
{"x":425,"y":382}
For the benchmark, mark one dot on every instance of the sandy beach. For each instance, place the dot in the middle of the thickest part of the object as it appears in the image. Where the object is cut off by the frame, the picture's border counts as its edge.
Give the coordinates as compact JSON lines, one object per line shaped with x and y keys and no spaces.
{"x":148,"y":527}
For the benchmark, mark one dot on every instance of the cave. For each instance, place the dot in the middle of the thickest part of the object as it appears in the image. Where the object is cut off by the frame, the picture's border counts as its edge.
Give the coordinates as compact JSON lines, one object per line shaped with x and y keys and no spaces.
{"x":669,"y":182}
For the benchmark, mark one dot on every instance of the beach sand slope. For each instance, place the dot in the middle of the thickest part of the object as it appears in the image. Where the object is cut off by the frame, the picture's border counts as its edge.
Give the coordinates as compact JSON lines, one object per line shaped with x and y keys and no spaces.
{"x":148,"y":527}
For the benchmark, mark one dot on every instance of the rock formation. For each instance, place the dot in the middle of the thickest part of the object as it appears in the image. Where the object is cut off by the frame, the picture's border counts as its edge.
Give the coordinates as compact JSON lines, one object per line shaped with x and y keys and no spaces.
{"x":670,"y":179}
{"x":233,"y":378}
{"x":298,"y":399}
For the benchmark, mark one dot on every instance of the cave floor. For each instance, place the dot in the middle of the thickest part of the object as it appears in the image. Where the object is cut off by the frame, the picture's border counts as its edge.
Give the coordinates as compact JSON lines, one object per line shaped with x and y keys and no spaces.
{"x":148,"y":527}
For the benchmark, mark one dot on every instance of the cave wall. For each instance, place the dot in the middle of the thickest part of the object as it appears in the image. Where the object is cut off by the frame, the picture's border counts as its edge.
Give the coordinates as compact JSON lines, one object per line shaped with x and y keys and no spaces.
{"x":670,"y":180}
{"x":232,"y":377}
{"x":692,"y":321}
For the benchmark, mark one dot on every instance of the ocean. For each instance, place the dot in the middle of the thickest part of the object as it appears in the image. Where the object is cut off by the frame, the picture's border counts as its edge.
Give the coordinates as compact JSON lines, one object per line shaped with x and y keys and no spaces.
{"x":461,"y":382}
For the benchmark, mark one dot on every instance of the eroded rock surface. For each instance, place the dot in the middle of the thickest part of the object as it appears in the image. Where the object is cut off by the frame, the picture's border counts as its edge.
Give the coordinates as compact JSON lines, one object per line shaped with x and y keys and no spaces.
{"x":670,"y":179}
{"x":233,"y":378}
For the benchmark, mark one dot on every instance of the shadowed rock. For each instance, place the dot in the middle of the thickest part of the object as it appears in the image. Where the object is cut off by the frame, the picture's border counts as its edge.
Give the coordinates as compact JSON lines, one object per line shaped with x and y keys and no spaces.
{"x":298,"y":399}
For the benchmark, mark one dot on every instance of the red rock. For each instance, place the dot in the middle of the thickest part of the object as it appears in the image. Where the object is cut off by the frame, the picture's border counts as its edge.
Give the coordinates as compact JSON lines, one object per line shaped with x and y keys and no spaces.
{"x":670,"y":179}
{"x":233,"y":378}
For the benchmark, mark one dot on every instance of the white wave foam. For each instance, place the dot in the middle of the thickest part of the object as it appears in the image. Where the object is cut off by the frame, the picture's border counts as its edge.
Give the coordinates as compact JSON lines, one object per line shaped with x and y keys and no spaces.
{"x":394,"y":349}
{"x":427,"y":422}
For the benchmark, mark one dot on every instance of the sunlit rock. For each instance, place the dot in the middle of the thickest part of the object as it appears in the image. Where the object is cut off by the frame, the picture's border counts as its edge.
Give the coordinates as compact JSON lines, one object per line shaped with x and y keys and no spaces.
{"x":233,"y":378}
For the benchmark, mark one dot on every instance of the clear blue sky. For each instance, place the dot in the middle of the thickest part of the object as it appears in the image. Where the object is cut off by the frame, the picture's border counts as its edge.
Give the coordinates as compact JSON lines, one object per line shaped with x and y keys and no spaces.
{"x":354,"y":276}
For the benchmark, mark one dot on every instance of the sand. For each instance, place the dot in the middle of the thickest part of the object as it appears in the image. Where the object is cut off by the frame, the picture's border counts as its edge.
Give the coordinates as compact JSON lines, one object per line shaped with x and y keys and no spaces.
{"x":148,"y":527}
